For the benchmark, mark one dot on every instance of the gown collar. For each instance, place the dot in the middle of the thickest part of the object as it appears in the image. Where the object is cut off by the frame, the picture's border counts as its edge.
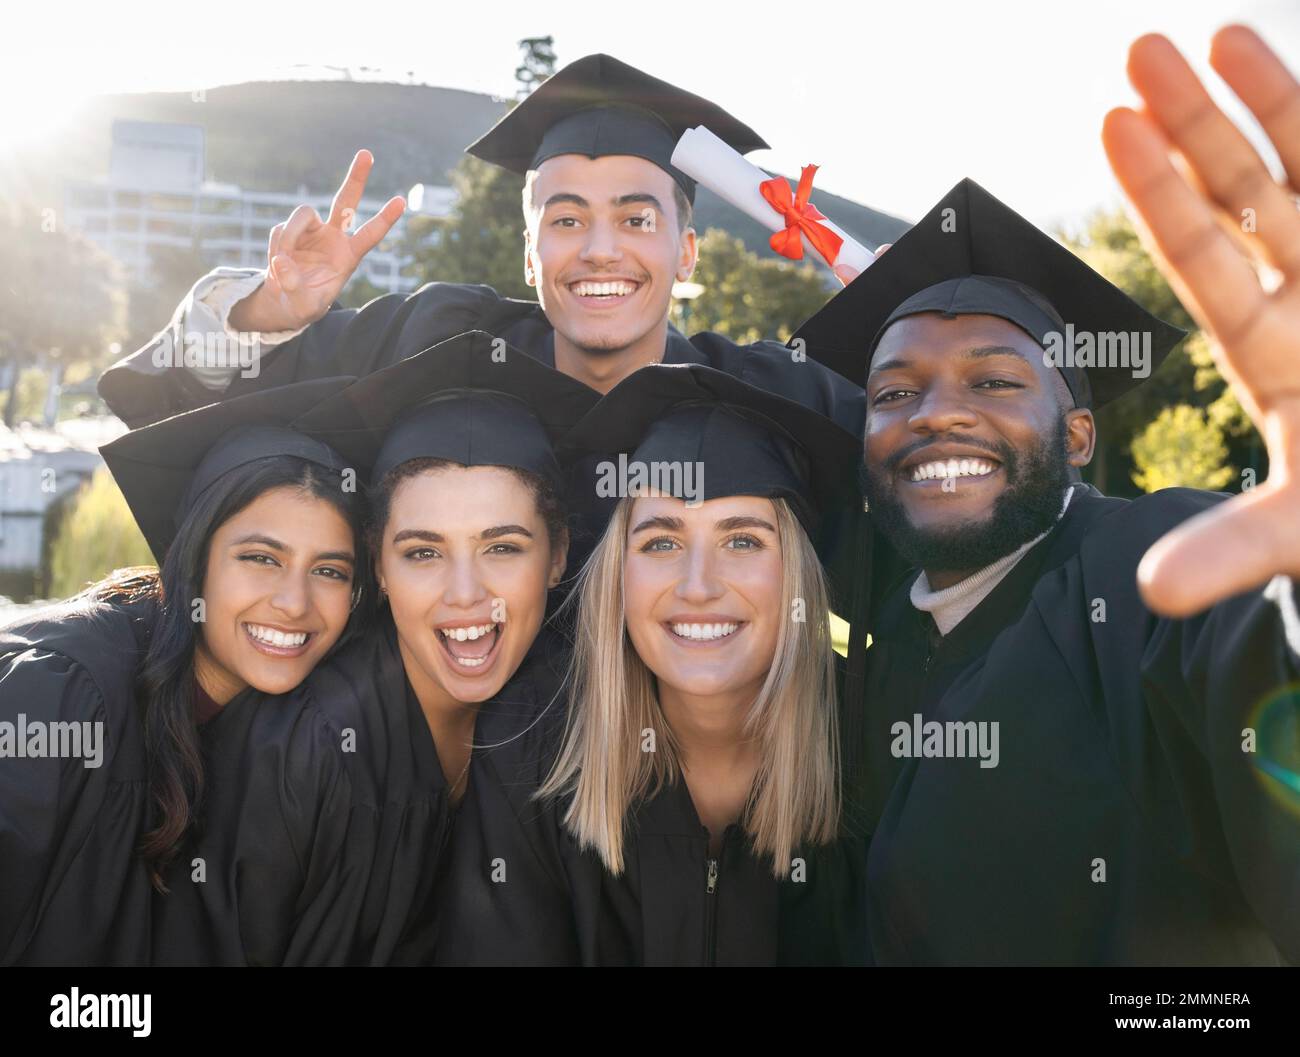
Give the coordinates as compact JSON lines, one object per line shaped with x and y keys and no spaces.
{"x":1007,"y":601}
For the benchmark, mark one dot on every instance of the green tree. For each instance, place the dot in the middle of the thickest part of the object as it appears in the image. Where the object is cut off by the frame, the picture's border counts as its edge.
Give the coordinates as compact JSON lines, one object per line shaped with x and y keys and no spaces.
{"x":96,"y":536}
{"x":1181,"y":447}
{"x":28,"y":396}
{"x":61,"y":298}
{"x":536,"y":65}
{"x":747,"y":297}
{"x":1188,"y":378}
{"x":482,"y":241}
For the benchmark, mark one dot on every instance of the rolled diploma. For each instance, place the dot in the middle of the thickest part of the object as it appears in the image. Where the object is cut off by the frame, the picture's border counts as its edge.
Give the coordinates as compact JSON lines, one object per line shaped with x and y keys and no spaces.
{"x":712,"y":163}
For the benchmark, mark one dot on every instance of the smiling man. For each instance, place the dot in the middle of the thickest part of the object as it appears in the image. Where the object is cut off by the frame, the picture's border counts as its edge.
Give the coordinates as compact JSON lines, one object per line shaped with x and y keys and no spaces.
{"x":950,"y":495}
{"x":1138,"y":810}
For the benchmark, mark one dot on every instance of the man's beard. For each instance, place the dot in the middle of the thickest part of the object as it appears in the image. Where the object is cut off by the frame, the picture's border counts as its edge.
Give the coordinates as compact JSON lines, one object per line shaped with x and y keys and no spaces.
{"x":1028,"y":507}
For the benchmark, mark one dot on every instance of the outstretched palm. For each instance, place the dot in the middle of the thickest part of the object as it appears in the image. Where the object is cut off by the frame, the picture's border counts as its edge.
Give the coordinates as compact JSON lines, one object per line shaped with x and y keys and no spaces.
{"x":1206,"y":229}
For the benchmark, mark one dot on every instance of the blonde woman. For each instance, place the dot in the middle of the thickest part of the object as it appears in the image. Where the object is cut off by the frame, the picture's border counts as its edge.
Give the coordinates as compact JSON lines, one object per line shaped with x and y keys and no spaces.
{"x":690,"y":813}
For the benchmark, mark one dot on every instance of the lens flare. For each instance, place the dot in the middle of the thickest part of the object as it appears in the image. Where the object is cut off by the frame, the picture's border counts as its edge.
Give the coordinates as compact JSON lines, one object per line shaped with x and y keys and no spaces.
{"x":1277,"y":748}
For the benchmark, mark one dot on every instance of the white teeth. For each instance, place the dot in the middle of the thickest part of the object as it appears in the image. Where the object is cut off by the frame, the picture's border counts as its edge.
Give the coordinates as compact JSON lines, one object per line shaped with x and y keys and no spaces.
{"x":952,"y":468}
{"x":615,"y":289}
{"x":461,"y":634}
{"x":274,"y":637}
{"x":704,"y":632}
{"x":470,"y":662}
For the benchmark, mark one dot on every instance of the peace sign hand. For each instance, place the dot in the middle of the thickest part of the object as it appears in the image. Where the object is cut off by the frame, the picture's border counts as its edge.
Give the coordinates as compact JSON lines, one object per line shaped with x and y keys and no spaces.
{"x":310,"y":260}
{"x":1204,"y":229}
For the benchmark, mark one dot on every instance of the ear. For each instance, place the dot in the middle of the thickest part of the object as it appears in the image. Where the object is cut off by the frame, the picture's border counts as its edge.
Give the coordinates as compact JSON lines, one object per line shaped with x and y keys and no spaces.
{"x":559,"y":559}
{"x":689,"y":255}
{"x":530,"y":270}
{"x":1080,"y":436}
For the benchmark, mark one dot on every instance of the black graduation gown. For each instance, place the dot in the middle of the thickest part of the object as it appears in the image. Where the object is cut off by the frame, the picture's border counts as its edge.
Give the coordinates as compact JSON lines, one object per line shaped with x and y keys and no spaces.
{"x":393,"y":327}
{"x":1120,"y":745}
{"x":72,"y":890}
{"x":357,"y":342}
{"x":518,"y":891}
{"x":325,"y":813}
{"x":513,"y":733}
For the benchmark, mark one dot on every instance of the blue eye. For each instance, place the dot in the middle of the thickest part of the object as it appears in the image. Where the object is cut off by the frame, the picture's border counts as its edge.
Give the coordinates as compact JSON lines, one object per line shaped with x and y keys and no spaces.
{"x":659,"y":545}
{"x":745,"y":543}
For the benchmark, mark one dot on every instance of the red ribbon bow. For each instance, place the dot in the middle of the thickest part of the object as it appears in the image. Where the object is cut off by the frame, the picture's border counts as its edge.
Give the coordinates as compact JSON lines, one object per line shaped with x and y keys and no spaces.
{"x":801,"y":218}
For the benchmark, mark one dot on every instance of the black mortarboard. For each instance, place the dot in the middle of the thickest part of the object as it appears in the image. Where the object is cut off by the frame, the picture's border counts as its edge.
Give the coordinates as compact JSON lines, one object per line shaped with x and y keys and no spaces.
{"x":471,"y":399}
{"x":598,"y":106}
{"x":163,"y":468}
{"x":748,"y":441}
{"x":971,"y":255}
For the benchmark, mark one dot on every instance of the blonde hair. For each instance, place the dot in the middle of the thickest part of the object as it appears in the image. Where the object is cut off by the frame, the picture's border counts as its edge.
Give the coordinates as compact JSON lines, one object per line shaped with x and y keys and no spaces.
{"x":795,"y":797}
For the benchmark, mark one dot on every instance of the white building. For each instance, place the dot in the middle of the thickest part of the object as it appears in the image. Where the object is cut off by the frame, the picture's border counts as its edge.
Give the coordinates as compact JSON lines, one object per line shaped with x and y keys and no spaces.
{"x":155,"y":195}
{"x":39,"y":468}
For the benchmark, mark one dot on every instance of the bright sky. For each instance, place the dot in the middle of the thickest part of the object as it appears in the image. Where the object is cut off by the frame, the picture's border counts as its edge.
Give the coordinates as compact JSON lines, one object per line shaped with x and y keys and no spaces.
{"x":896,"y":100}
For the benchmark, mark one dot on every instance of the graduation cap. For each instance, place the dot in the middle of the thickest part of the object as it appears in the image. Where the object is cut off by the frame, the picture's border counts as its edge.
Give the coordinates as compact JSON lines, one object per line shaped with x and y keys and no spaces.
{"x":971,"y":255}
{"x":163,"y":469}
{"x":598,"y":106}
{"x":471,"y":400}
{"x":748,"y":441}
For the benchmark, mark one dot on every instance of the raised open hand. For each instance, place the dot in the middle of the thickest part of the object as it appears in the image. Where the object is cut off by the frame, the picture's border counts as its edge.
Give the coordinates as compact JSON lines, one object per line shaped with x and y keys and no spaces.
{"x":1206,"y":227}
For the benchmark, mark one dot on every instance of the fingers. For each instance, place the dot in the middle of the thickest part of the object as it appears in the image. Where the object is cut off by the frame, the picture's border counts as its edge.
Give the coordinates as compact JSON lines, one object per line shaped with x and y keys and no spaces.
{"x":286,"y":274}
{"x":273,"y":243}
{"x":1189,"y":569}
{"x":845,"y":273}
{"x":372,"y":232}
{"x":1215,"y":281}
{"x":1224,"y":161}
{"x":1265,"y":86}
{"x":343,"y":209}
{"x":302,"y":221}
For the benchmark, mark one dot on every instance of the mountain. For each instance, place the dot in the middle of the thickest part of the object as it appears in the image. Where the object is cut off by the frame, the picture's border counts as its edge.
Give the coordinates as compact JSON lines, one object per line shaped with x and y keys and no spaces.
{"x":279,"y":135}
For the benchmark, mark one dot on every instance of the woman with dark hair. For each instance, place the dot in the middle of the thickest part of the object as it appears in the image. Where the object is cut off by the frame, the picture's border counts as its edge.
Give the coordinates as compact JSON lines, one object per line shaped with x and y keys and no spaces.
{"x":469,"y":536}
{"x":116,"y":706}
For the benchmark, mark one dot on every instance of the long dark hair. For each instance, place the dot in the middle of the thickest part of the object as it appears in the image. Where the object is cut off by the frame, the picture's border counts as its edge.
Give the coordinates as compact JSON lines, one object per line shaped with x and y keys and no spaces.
{"x":166,"y":683}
